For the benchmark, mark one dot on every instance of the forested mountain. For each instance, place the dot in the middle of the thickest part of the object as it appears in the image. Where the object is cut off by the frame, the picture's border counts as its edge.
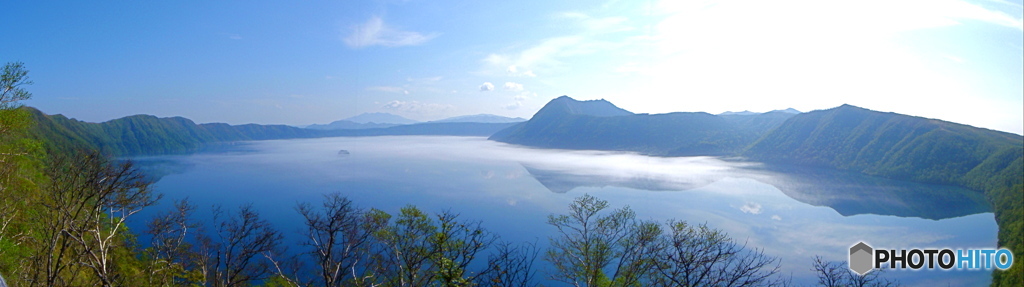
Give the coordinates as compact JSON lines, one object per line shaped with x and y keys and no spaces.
{"x":892,"y":145}
{"x":144,"y":134}
{"x":570,"y":124}
{"x":148,"y":135}
{"x":912,"y":148}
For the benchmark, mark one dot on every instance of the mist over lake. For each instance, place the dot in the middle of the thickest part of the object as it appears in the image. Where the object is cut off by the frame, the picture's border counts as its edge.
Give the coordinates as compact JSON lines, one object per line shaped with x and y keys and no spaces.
{"x":793,"y":213}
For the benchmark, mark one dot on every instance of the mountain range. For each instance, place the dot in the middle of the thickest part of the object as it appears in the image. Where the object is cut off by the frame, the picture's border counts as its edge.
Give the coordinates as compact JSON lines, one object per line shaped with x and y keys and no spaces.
{"x":149,"y":135}
{"x":385,"y":120}
{"x":846,"y":138}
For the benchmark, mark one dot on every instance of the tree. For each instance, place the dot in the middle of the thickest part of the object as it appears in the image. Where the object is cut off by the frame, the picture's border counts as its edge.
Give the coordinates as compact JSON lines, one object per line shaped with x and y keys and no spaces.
{"x":337,"y":240}
{"x":13,"y":148}
{"x":837,"y":274}
{"x":702,"y":256}
{"x":171,"y":255}
{"x":11,"y":81}
{"x":86,"y":205}
{"x":235,"y":256}
{"x":510,"y":266}
{"x":588,"y":243}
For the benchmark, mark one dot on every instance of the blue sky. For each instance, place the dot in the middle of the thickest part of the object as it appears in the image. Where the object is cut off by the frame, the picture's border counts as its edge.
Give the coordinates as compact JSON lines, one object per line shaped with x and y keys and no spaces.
{"x":304,"y":62}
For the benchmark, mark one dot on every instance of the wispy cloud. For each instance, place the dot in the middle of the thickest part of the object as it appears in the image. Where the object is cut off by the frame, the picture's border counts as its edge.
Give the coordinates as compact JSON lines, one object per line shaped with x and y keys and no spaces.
{"x":388,"y":89}
{"x":513,"y":70}
{"x":376,"y":33}
{"x":513,"y":86}
{"x":416,"y":107}
{"x":517,"y":100}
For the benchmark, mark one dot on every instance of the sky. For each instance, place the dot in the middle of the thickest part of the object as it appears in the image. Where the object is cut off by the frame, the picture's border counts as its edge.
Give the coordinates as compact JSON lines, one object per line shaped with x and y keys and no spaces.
{"x":306,"y":62}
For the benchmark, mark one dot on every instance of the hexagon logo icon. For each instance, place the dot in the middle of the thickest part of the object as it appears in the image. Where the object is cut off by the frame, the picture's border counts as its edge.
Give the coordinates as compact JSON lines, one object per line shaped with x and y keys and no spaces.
{"x":860,"y":258}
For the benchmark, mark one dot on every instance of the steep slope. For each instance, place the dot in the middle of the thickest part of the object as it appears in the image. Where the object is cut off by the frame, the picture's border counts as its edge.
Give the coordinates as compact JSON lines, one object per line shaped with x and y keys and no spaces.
{"x":913,"y":148}
{"x":890,"y":145}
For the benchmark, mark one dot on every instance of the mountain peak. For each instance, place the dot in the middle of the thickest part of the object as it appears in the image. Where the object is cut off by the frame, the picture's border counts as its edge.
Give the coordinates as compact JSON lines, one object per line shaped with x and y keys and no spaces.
{"x":788,"y":111}
{"x":565,"y":105}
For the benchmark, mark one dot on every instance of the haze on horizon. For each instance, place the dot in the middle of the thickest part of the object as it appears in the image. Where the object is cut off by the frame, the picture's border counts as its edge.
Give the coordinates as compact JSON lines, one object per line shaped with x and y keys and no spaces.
{"x":316,"y":62}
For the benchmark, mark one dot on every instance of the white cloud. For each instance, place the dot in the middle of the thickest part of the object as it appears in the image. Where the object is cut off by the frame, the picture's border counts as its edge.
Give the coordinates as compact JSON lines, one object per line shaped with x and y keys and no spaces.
{"x":751,"y":207}
{"x":487,"y":86}
{"x":375,"y":33}
{"x":776,"y":217}
{"x":513,"y":86}
{"x":418,"y":107}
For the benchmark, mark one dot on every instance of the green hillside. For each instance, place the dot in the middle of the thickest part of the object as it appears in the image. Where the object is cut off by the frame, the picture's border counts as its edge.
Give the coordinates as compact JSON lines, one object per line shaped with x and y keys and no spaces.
{"x":911,"y":148}
{"x":145,"y":134}
{"x":150,"y":135}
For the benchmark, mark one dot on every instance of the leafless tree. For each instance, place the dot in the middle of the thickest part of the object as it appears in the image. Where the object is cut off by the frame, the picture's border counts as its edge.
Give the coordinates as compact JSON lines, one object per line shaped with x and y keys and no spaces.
{"x":702,"y":256}
{"x":837,"y":274}
{"x":171,"y":254}
{"x":455,"y":246}
{"x":511,"y":266}
{"x":336,"y":239}
{"x":234,"y":255}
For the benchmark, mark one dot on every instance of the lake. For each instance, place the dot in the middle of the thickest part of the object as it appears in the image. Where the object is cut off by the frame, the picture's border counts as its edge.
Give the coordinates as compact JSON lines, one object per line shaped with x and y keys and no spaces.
{"x":793,"y":213}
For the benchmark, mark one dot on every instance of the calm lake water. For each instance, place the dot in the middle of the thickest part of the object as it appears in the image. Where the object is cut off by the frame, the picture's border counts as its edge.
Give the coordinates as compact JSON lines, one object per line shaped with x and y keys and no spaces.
{"x":792,"y":213}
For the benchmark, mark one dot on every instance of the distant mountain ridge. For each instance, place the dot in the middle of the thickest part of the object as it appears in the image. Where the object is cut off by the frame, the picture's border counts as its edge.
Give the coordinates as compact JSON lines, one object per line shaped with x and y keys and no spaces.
{"x":570,"y":124}
{"x":381,"y":118}
{"x":348,"y":125}
{"x":480,"y":118}
{"x":150,"y":135}
{"x":385,"y":120}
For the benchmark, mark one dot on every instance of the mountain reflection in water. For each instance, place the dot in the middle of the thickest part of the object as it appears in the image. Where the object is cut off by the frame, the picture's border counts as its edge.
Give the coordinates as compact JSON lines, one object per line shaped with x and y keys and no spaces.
{"x":845,"y":192}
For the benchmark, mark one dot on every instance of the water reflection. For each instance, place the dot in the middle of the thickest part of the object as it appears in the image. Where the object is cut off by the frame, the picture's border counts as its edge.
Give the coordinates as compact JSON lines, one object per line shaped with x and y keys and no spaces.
{"x":845,"y":192}
{"x":792,"y":213}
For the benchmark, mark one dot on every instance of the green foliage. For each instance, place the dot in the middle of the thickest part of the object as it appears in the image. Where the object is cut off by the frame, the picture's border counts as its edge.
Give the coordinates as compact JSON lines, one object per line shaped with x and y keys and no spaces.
{"x":147,"y":135}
